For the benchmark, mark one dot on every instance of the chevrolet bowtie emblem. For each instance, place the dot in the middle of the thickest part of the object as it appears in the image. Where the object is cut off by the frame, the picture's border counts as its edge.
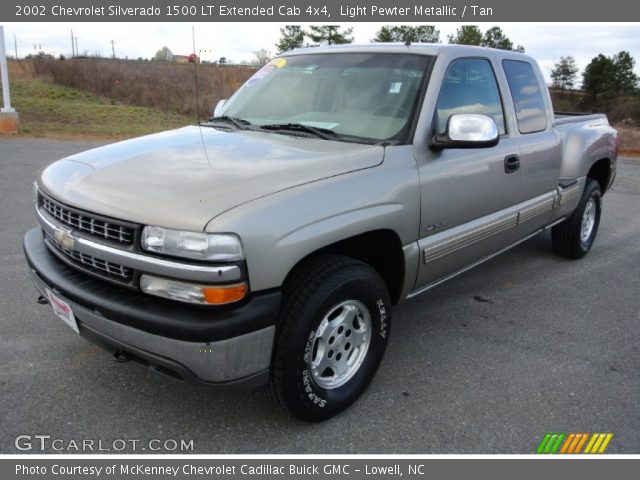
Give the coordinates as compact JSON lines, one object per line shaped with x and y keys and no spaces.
{"x":64,"y":239}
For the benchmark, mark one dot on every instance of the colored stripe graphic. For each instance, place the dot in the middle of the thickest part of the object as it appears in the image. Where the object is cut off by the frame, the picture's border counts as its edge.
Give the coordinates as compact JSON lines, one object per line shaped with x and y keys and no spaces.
{"x":581,"y":442}
{"x":571,"y":438}
{"x":543,"y":443}
{"x":598,"y":443}
{"x":557,"y":444}
{"x":604,"y":445}
{"x":572,"y":443}
{"x":550,"y":443}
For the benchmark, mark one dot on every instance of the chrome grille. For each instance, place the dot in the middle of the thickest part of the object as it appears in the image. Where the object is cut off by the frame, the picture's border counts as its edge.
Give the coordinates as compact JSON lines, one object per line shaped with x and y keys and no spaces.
{"x":93,"y":264}
{"x":87,"y":223}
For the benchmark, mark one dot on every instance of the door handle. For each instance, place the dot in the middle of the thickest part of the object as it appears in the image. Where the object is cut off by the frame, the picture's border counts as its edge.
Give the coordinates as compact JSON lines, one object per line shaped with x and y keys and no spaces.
{"x":511,"y":163}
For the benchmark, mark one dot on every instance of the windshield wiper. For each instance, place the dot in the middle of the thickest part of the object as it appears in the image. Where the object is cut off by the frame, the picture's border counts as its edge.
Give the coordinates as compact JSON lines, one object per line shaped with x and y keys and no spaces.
{"x":239,"y":123}
{"x":324,"y":133}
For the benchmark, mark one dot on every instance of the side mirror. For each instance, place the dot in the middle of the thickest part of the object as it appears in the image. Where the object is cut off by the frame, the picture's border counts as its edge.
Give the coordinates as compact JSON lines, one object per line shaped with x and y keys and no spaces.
{"x":467,"y":130}
{"x":217,"y":111}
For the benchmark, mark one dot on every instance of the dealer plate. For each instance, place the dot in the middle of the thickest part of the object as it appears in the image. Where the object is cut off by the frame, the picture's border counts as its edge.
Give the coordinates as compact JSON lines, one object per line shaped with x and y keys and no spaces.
{"x":62,"y":309}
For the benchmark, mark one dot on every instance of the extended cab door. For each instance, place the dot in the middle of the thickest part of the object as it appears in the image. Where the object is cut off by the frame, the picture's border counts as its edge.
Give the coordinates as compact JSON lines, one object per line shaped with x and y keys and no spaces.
{"x":468,"y":196}
{"x":540,"y":151}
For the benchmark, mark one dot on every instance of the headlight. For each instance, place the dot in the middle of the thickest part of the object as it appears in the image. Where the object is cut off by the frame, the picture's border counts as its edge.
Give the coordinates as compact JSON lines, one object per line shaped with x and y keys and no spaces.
{"x":224,"y":247}
{"x":192,"y":293}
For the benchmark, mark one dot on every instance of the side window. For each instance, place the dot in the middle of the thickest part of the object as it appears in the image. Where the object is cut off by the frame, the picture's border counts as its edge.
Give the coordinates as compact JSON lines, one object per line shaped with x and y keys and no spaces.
{"x":469,"y":86}
{"x":527,"y":96}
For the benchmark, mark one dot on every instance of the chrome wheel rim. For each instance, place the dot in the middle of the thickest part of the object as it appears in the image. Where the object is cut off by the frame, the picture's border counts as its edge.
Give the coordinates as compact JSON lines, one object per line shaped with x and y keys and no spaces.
{"x":588,"y":220}
{"x":340,"y":344}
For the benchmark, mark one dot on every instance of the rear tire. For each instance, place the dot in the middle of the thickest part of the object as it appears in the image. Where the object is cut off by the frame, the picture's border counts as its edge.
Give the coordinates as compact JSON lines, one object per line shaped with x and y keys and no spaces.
{"x":574,"y":237}
{"x":332,"y":334}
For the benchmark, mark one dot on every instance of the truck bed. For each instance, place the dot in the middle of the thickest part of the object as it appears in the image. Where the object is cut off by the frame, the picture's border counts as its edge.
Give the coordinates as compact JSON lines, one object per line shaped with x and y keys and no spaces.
{"x":562,"y":118}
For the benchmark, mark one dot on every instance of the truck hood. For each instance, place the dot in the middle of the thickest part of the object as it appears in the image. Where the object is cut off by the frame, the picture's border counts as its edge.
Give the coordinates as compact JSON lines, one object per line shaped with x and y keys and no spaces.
{"x":183,"y":178}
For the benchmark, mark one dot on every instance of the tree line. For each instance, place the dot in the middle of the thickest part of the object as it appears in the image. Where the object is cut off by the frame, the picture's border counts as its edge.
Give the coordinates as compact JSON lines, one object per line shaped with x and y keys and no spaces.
{"x":294,"y":36}
{"x":603,"y":79}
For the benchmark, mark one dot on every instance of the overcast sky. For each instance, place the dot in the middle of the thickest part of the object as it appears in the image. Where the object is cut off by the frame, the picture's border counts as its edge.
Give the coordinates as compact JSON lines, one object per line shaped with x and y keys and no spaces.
{"x":237,"y":41}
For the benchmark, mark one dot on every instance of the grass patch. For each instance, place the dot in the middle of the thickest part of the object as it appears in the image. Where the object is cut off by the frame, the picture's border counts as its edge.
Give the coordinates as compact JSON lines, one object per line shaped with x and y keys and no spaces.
{"x":54,"y":111}
{"x":629,"y":140}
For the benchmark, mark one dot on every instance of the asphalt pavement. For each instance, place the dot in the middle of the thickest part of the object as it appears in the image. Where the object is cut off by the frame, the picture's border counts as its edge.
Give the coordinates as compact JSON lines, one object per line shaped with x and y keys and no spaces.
{"x":525,"y":344}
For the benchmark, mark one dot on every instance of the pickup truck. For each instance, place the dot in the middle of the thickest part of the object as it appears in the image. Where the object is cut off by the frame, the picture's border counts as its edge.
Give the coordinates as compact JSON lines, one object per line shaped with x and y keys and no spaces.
{"x":268,"y":246}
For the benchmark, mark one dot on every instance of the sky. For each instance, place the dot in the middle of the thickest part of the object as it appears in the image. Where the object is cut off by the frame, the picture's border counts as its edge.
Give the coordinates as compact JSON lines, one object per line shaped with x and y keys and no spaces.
{"x":237,"y":41}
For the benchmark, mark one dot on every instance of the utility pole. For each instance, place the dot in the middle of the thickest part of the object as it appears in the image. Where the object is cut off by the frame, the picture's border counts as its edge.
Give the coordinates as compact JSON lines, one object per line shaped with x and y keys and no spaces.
{"x":8,"y":116}
{"x":113,"y":49}
{"x":73,"y":48}
{"x":6,"y":98}
{"x":77,"y":51}
{"x":15,"y":45}
{"x":193,"y":38}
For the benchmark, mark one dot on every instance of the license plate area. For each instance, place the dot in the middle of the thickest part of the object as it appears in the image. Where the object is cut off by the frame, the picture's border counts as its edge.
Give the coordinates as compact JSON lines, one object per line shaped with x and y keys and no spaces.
{"x":62,"y":310}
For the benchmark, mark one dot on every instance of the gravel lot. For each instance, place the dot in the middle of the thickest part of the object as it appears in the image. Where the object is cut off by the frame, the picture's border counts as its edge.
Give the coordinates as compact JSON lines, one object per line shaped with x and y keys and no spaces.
{"x":525,"y":344}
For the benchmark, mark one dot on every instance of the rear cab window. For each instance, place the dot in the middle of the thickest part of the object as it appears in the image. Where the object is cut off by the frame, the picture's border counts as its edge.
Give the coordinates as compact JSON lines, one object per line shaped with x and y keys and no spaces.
{"x":527,"y":96}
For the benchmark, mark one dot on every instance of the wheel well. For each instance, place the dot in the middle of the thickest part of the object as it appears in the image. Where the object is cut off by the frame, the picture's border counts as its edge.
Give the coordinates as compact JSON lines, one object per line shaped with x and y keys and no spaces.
{"x":600,"y":171}
{"x":381,"y":249}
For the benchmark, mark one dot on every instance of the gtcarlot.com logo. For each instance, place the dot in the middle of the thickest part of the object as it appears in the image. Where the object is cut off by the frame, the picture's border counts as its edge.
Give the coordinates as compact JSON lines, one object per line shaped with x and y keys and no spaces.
{"x":574,"y":443}
{"x":47,"y":443}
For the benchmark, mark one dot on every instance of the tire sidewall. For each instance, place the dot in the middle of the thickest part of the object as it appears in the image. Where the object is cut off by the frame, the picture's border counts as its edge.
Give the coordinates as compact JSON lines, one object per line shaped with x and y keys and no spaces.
{"x":313,"y":401}
{"x":592,"y":191}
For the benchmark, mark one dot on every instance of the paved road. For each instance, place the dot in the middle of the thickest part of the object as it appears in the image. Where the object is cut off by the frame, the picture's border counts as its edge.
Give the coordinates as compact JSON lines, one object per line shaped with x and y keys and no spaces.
{"x":555,"y":349}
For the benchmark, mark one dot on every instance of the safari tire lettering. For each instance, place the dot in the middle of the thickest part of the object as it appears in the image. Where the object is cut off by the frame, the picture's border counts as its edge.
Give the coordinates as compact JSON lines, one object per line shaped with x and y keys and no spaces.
{"x":382,"y":310}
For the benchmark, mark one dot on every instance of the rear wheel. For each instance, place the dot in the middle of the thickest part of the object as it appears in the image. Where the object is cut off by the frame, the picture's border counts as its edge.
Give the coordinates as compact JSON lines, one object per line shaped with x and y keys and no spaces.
{"x":332,"y":334}
{"x":574,"y":237}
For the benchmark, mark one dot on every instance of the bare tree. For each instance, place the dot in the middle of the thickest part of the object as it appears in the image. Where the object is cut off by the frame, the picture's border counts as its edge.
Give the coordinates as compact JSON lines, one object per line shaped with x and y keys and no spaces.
{"x":263,"y":56}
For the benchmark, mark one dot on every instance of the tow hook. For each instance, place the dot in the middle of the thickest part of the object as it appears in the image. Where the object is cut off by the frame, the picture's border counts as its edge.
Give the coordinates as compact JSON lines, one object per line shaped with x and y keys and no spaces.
{"x":42,"y":301}
{"x":121,"y":356}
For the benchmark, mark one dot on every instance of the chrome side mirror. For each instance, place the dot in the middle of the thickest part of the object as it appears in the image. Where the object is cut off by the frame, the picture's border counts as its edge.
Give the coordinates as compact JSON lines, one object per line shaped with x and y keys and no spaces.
{"x":467,"y":130}
{"x":217,"y":111}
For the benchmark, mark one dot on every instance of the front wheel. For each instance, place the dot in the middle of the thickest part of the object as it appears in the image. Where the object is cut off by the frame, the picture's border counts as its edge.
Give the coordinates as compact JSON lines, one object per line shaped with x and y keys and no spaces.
{"x":574,"y":237}
{"x":332,"y":335}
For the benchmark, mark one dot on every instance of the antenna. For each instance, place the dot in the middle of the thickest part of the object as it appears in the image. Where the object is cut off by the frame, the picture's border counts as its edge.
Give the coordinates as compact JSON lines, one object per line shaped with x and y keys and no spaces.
{"x":195,"y":71}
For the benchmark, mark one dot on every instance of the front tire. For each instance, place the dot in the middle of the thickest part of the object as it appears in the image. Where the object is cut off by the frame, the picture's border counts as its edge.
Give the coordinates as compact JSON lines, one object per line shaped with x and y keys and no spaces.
{"x":574,"y":237}
{"x":332,"y":334}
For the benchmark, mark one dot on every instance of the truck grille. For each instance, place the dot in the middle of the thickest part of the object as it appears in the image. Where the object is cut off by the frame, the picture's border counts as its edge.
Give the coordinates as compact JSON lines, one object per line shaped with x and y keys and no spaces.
{"x":94,"y":265}
{"x":89,"y":223}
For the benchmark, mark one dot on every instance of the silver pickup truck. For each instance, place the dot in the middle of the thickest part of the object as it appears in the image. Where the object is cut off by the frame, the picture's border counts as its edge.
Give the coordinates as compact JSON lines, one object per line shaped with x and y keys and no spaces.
{"x":268,"y":246}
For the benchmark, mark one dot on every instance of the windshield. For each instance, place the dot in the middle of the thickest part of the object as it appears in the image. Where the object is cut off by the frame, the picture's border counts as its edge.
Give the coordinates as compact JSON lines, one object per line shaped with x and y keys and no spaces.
{"x":370,"y":96}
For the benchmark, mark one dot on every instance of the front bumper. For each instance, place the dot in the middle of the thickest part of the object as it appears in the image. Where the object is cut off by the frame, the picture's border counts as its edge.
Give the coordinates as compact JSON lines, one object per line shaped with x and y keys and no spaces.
{"x":215,"y":346}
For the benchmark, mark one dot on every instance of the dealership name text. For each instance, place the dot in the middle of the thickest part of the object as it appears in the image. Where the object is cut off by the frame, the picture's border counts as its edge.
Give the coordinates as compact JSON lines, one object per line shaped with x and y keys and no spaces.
{"x":218,"y":470}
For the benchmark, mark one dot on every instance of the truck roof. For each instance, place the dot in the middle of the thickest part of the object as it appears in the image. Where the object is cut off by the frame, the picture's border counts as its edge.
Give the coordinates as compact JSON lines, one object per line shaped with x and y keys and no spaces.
{"x":451,"y":50}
